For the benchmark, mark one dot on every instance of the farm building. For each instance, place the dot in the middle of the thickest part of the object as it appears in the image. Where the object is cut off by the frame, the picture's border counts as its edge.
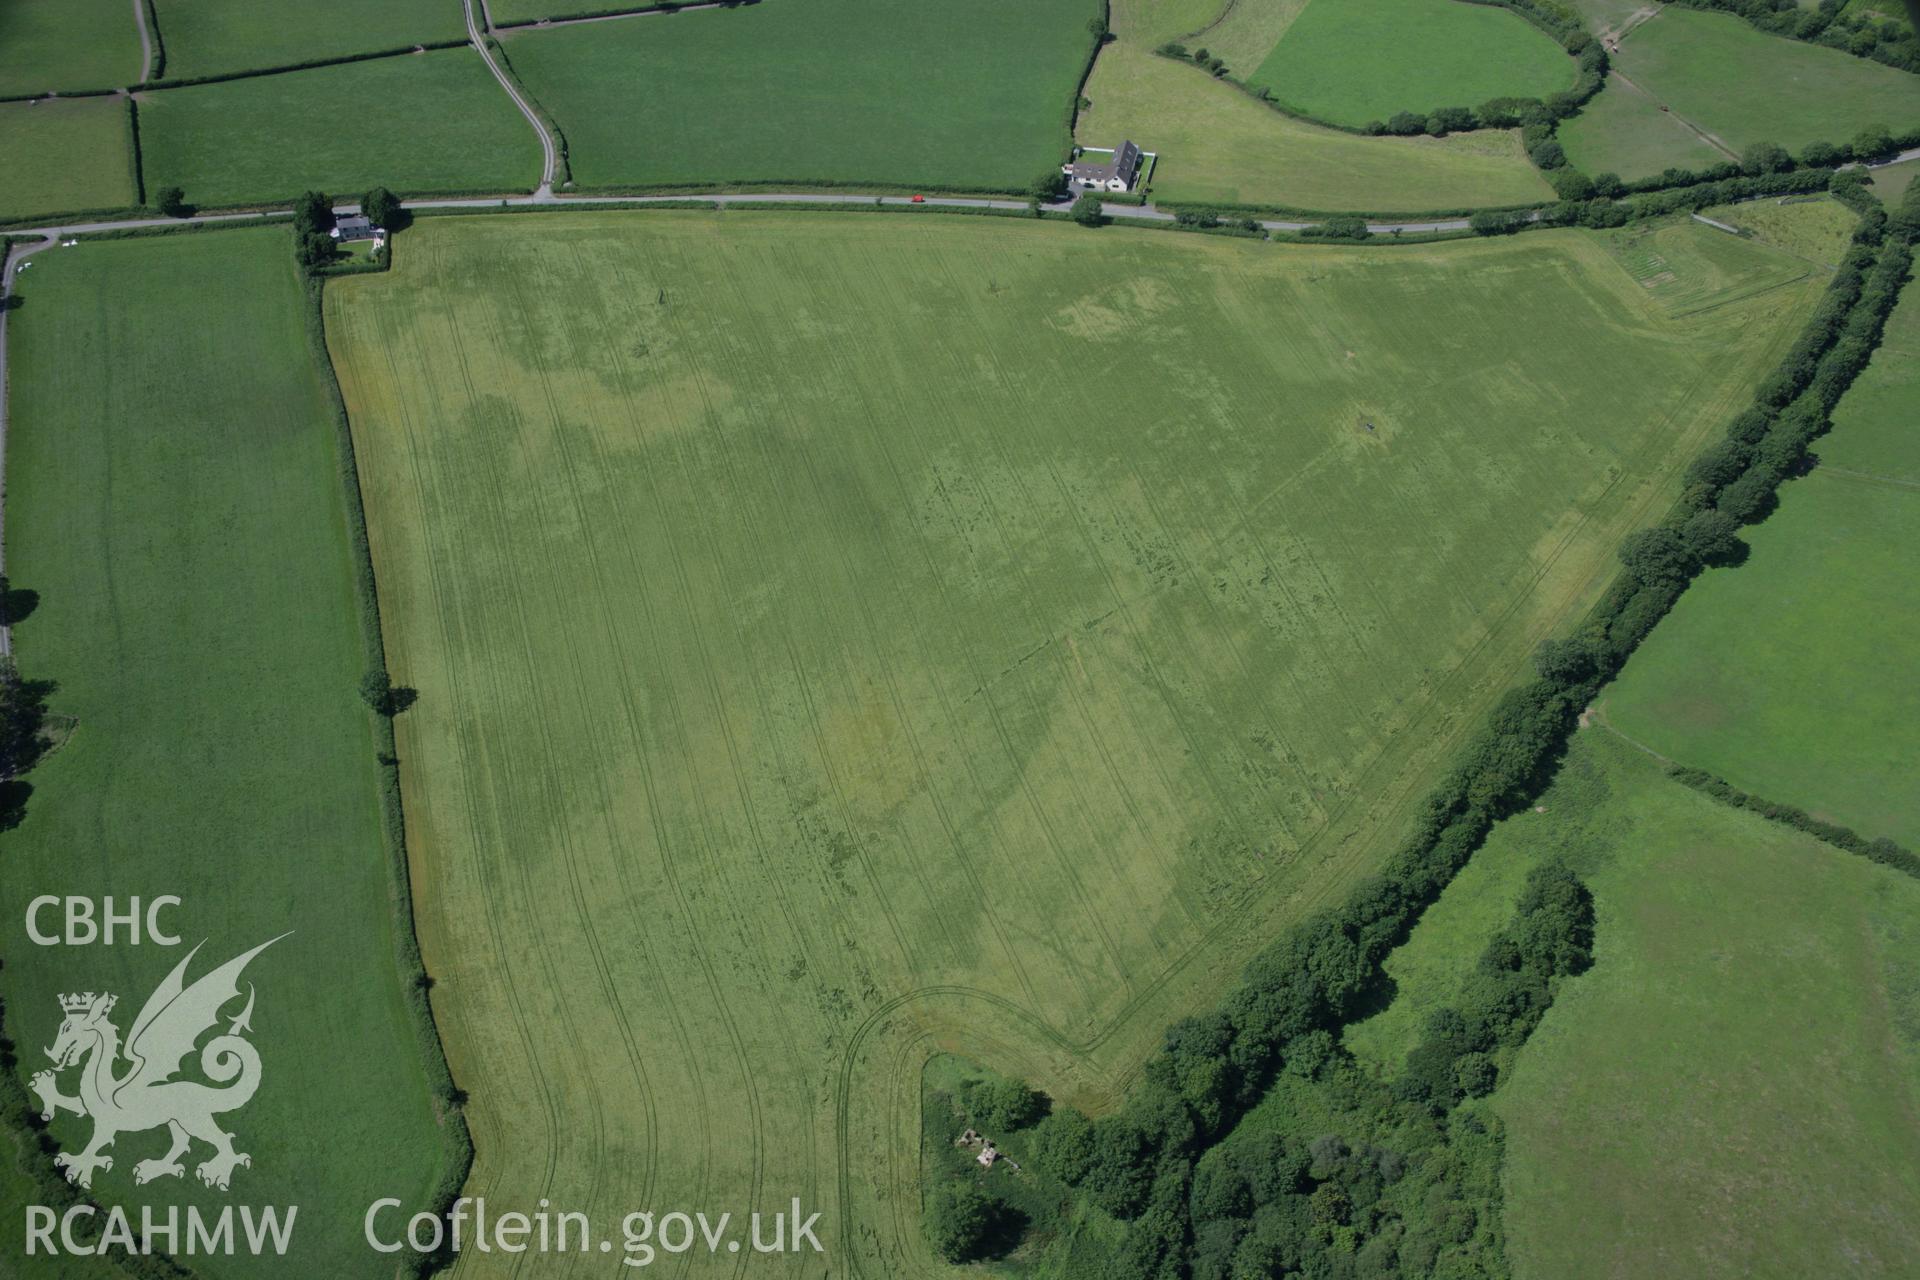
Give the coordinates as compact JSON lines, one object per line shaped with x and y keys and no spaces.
{"x":355,"y":227}
{"x":1118,"y":174}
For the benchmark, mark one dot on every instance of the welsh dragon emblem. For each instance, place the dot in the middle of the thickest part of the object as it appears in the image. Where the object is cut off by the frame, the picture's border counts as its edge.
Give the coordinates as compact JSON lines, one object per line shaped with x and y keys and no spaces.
{"x":145,"y":1095}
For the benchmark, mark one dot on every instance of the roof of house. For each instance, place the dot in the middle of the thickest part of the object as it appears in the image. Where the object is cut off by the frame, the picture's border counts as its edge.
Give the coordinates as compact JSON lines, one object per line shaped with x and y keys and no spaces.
{"x":1124,"y":165}
{"x":355,"y":228}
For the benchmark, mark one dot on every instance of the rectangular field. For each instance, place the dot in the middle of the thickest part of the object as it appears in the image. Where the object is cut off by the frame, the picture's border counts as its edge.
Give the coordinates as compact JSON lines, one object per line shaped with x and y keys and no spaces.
{"x":66,"y":45}
{"x":441,"y":124}
{"x":813,"y":671}
{"x":1779,"y":674}
{"x":974,"y":96}
{"x":174,"y":499}
{"x":65,"y":156}
{"x":218,"y":37}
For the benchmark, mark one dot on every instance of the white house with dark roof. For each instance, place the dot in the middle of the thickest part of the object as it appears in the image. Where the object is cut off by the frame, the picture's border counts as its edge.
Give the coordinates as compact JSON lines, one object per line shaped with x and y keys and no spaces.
{"x":1119,"y":173}
{"x":354,"y":227}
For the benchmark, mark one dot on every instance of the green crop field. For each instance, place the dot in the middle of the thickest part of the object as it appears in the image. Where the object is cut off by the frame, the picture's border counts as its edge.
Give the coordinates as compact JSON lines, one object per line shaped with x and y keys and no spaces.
{"x":217,"y":37}
{"x":268,"y":138}
{"x":64,"y":156}
{"x":1353,"y":61}
{"x":1217,"y":145}
{"x":1622,"y":130}
{"x":1781,"y":674}
{"x":1743,"y":86}
{"x":837,"y":91}
{"x":174,"y":498}
{"x":64,"y":45}
{"x":808,"y":680}
{"x":1731,"y":1091}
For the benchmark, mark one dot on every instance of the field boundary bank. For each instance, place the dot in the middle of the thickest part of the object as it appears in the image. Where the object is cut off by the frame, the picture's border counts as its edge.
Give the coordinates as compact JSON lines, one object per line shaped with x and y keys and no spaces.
{"x":249,"y":73}
{"x":574,"y":17}
{"x":416,"y":982}
{"x":1884,"y":850}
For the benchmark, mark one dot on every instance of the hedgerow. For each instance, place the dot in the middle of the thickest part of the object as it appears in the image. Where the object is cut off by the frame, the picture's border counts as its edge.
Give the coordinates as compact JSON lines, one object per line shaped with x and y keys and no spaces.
{"x":251,"y":73}
{"x":416,"y":982}
{"x":1883,"y":850}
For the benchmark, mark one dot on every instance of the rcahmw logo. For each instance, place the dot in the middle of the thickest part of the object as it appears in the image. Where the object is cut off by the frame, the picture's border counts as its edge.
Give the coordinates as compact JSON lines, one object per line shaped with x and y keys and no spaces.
{"x":148,"y":1093}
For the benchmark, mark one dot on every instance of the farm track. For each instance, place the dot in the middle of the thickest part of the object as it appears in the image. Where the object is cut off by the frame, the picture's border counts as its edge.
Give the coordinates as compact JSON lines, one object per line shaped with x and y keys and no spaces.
{"x":146,"y":41}
{"x":477,"y":31}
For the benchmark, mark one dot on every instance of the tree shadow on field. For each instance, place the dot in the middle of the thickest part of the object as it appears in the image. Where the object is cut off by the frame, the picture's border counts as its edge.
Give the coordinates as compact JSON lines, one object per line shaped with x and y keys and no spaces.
{"x":16,"y":603}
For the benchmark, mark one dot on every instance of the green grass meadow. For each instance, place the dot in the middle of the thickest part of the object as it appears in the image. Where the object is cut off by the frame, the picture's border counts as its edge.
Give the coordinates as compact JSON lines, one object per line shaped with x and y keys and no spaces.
{"x":442,"y":124}
{"x":1219,"y":146}
{"x":65,"y":155}
{"x":174,"y":498}
{"x":1732,"y":1090}
{"x":970,"y":96}
{"x":1355,"y":61}
{"x":1786,"y":675}
{"x":1890,"y":182}
{"x":808,"y":684}
{"x":65,"y":45}
{"x":1744,"y":86}
{"x":218,"y":37}
{"x":1242,"y":33}
{"x":1622,"y":130}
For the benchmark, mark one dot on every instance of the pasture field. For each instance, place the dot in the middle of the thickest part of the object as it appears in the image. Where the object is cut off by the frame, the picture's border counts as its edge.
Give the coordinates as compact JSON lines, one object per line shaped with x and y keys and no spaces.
{"x":1730,"y":1091}
{"x":1818,"y":230}
{"x":1153,"y":22}
{"x":174,"y":498}
{"x":64,"y":155}
{"x":810,"y":682}
{"x":1622,"y":130}
{"x":1217,"y":145}
{"x":1245,"y":33}
{"x":1744,"y":86}
{"x":268,"y":138}
{"x":1891,"y":181}
{"x":64,"y":45}
{"x":1779,"y":674}
{"x":973,"y":96}
{"x":1353,"y":61}
{"x":217,"y":37}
